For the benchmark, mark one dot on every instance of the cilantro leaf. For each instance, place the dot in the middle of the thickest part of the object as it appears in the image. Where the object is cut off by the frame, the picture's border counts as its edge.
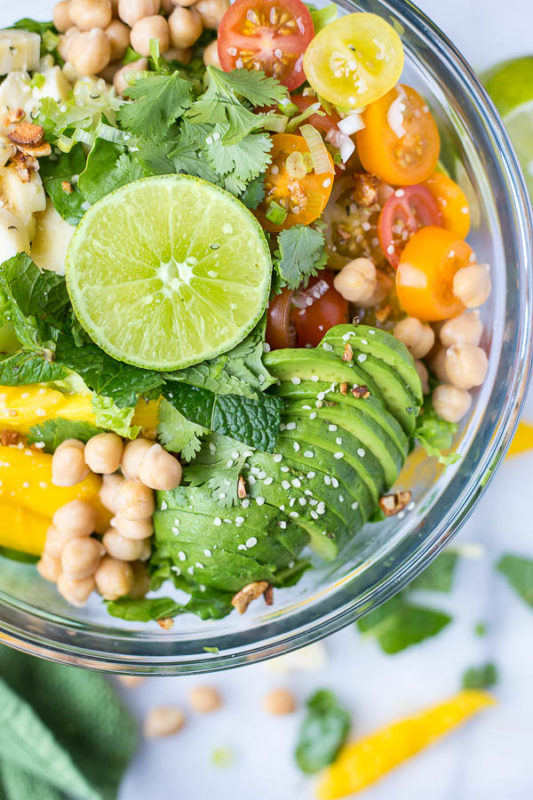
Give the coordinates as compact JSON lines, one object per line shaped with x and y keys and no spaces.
{"x":301,"y":253}
{"x":482,"y":677}
{"x":519,"y":572}
{"x":254,"y":194}
{"x":438,"y":577}
{"x":397,"y":624}
{"x":239,"y":162}
{"x":253,"y":85}
{"x":218,"y":467}
{"x":108,"y":168}
{"x":159,"y":100}
{"x":177,"y":433}
{"x":55,"y":171}
{"x":323,"y":731}
{"x":435,"y":434}
{"x":55,"y":431}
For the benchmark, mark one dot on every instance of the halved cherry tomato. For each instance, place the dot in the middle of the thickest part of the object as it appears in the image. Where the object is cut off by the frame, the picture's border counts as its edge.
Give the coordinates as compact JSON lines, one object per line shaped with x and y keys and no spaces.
{"x":318,"y":308}
{"x":452,"y":204}
{"x":280,"y":330}
{"x":404,"y":213}
{"x":400,"y":142}
{"x":305,"y":198}
{"x":354,"y":60}
{"x":324,"y":122}
{"x":424,"y":278}
{"x":268,"y":35}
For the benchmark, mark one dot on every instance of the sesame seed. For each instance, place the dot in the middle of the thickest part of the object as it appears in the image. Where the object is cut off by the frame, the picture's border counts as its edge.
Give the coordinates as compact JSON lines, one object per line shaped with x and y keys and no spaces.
{"x":327,"y":346}
{"x":277,"y":458}
{"x":200,"y":566}
{"x":268,"y":481}
{"x":239,"y":520}
{"x":314,"y":378}
{"x":282,"y":524}
{"x":338,"y":455}
{"x":292,"y":502}
{"x":296,"y":380}
{"x":246,"y":502}
{"x":341,"y":498}
{"x":164,"y":505}
{"x":207,"y":553}
{"x":335,"y":483}
{"x":40,"y":412}
{"x":311,"y":475}
{"x":251,"y":542}
{"x":321,"y":508}
{"x":332,"y":428}
{"x":411,"y":506}
{"x":217,"y":522}
{"x":294,"y":514}
{"x":361,"y":452}
{"x":190,"y":570}
{"x":285,"y":485}
{"x":296,"y":447}
{"x":314,"y":514}
{"x":241,"y":547}
{"x":327,"y":480}
{"x":43,"y":484}
{"x":296,"y":482}
{"x":284,"y":469}
{"x":313,"y":415}
{"x":182,"y":556}
{"x":260,"y":501}
{"x":290,"y":426}
{"x":355,"y":505}
{"x":338,"y":440}
{"x":309,"y":454}
{"x":362,"y":357}
{"x":302,"y":501}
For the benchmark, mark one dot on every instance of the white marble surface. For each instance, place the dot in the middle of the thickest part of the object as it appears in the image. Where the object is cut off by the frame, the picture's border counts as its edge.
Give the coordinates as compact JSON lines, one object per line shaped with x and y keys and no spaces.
{"x":488,"y":760}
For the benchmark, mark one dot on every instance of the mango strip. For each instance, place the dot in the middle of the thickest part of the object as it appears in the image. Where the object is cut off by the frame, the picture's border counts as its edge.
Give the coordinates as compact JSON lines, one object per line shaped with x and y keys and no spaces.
{"x":21,"y":407}
{"x":21,"y":529}
{"x":362,"y":763}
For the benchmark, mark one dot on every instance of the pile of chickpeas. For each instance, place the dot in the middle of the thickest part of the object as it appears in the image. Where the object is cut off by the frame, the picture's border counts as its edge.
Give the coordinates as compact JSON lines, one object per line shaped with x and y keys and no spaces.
{"x":74,"y":557}
{"x":97,"y":33}
{"x":450,"y":348}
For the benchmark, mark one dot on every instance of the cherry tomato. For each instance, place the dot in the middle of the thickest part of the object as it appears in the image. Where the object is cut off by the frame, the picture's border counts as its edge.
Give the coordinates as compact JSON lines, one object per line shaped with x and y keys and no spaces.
{"x":303,"y":198}
{"x":280,"y":330}
{"x":323,"y":123}
{"x":400,"y":142}
{"x":268,"y":35}
{"x":452,"y":203}
{"x":318,"y":308}
{"x":405,"y":212}
{"x":354,"y":60}
{"x":424,"y":278}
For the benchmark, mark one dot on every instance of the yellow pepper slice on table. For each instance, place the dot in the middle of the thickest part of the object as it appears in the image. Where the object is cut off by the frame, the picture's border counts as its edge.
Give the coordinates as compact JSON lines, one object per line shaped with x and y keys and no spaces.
{"x":522,"y":440}
{"x":362,"y":763}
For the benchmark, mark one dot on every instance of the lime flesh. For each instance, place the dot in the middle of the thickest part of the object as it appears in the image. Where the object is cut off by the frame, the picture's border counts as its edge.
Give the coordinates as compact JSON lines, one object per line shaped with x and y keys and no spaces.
{"x":168,"y":271}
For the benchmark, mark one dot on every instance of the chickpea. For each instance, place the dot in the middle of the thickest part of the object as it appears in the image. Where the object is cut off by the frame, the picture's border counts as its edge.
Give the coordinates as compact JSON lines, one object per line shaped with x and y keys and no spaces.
{"x":131,"y":11}
{"x":167,"y":6}
{"x":109,"y":490}
{"x":160,"y":470}
{"x":141,"y":580}
{"x":184,"y":56}
{"x":49,"y":568}
{"x":357,"y":281}
{"x":114,"y":6}
{"x":65,"y":42}
{"x":68,"y":463}
{"x":279,"y":701}
{"x":56,"y":540}
{"x":472,"y":285}
{"x":113,"y":578}
{"x":120,"y":81}
{"x":451,"y":403}
{"x":210,"y":56}
{"x":417,"y":337}
{"x":62,"y":19}
{"x":185,"y":27}
{"x":103,"y":453}
{"x":75,"y":592}
{"x":81,"y":557}
{"x":163,"y":721}
{"x":437,"y":362}
{"x":133,"y":456}
{"x":148,"y":28}
{"x":124,"y":549}
{"x":119,"y":39}
{"x":423,"y":374}
{"x":211,"y":12}
{"x":204,"y":699}
{"x":467,"y":328}
{"x":133,"y":528}
{"x":90,"y":52}
{"x":89,"y":14}
{"x":466,"y":365}
{"x":77,"y":517}
{"x":135,"y":500}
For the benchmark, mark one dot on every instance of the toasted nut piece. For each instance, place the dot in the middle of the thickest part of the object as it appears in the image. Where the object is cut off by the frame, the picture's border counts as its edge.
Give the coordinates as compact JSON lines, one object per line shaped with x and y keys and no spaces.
{"x":133,"y":456}
{"x":124,"y":549}
{"x":348,"y":352}
{"x":133,"y":528}
{"x":16,"y":115}
{"x":25,"y":165}
{"x":77,"y":517}
{"x":160,"y":470}
{"x":361,"y":392}
{"x":166,"y":623}
{"x":343,"y":388}
{"x":36,"y":151}
{"x":75,"y":592}
{"x":81,"y":557}
{"x":247,"y":594}
{"x":113,"y":578}
{"x":135,"y":501}
{"x":109,"y":491}
{"x":49,"y":568}
{"x":392,"y":504}
{"x":103,"y":453}
{"x":279,"y":701}
{"x":131,"y":681}
{"x":241,"y":488}
{"x":365,"y":191}
{"x":269,"y":595}
{"x":451,"y":403}
{"x":9,"y":438}
{"x":26,"y":133}
{"x":68,"y":463}
{"x":204,"y":699}
{"x":164,"y":721}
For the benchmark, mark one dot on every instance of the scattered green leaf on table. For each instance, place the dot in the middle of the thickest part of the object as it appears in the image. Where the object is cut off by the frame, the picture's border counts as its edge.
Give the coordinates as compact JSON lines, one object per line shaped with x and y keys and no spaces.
{"x":482,"y":677}
{"x":519,"y":572}
{"x":322,"y":733}
{"x":438,"y":577}
{"x":399,"y":624}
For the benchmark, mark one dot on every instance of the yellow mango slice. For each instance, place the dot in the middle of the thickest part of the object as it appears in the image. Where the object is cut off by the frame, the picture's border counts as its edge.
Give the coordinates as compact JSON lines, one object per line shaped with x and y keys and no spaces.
{"x":21,"y":407}
{"x":146,"y":414}
{"x":22,"y":529}
{"x":26,"y":480}
{"x":522,"y":440}
{"x":362,"y":763}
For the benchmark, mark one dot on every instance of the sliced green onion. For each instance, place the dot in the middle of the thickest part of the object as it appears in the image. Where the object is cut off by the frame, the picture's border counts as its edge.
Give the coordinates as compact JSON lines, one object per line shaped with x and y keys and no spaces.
{"x":295,"y":122}
{"x":38,"y":81}
{"x":318,"y":150}
{"x":276,"y":214}
{"x":295,"y":166}
{"x":288,"y":108}
{"x":322,"y":16}
{"x":86,"y":137}
{"x":50,"y":41}
{"x":111,"y":134}
{"x":65,"y":144}
{"x":274,"y":122}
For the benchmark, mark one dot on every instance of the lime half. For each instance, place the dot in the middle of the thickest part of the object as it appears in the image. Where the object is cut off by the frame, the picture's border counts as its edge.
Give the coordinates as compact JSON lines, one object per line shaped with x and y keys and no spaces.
{"x":168,"y":271}
{"x":511,"y":87}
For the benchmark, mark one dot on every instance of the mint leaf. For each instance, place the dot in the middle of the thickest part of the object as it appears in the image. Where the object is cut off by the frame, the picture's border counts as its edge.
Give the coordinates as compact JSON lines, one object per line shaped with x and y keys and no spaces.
{"x":55,"y":171}
{"x":55,"y":431}
{"x":397,"y":624}
{"x":519,"y":572}
{"x":145,"y":609}
{"x":482,"y":677}
{"x":217,"y":467}
{"x":177,"y":433}
{"x":301,"y":253}
{"x":23,"y":368}
{"x":159,"y":101}
{"x":323,"y":731}
{"x":438,"y":577}
{"x":17,"y":555}
{"x":435,"y":434}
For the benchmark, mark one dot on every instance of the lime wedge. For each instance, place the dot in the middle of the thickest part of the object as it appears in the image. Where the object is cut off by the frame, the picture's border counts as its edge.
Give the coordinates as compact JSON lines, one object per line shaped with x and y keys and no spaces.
{"x":511,"y":87}
{"x":168,"y":271}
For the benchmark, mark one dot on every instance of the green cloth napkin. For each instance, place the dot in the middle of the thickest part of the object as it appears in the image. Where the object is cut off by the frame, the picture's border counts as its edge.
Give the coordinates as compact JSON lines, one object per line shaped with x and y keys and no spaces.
{"x":62,"y":732}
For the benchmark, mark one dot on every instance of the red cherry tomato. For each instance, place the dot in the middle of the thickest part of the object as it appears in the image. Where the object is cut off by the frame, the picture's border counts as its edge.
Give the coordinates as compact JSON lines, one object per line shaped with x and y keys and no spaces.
{"x":322,"y":123}
{"x":268,"y":35}
{"x":280,"y":330}
{"x":317,"y":309}
{"x":404,"y":213}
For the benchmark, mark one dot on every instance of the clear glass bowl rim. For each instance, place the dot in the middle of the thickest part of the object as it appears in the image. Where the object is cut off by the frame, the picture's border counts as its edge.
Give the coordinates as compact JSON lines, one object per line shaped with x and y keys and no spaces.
{"x":98,"y":648}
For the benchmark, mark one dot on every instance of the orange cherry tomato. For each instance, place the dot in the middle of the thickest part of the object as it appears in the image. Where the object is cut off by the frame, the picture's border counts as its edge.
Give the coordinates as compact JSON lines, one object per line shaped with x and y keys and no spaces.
{"x":424,"y":278}
{"x":303,"y":198}
{"x":452,"y":203}
{"x":400,"y":142}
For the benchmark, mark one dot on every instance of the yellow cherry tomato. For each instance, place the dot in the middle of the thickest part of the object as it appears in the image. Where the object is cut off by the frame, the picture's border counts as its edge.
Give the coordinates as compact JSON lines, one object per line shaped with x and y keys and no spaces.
{"x":452,"y":204}
{"x":354,"y":60}
{"x":424,"y":278}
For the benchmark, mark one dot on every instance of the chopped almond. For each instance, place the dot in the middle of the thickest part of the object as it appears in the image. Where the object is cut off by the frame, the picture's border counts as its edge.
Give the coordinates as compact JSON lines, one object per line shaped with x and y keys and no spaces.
{"x":37,"y":151}
{"x":269,"y":595}
{"x":248,"y":594}
{"x":27,"y":134}
{"x":382,"y":314}
{"x":166,"y":623}
{"x":9,"y":438}
{"x":365,"y":191}
{"x":241,"y":488}
{"x":392,"y":504}
{"x":67,"y":187}
{"x":361,"y":392}
{"x":343,"y":388}
{"x":348,"y":352}
{"x":25,"y":165}
{"x":17,"y":115}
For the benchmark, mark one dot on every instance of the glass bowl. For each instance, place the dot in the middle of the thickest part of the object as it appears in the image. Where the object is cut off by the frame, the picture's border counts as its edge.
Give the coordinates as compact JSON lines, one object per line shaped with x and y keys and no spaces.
{"x":384,"y":556}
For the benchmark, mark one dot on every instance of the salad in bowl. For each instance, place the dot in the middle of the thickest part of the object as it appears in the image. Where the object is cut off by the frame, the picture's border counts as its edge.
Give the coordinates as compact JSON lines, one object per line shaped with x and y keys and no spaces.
{"x":235,"y":293}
